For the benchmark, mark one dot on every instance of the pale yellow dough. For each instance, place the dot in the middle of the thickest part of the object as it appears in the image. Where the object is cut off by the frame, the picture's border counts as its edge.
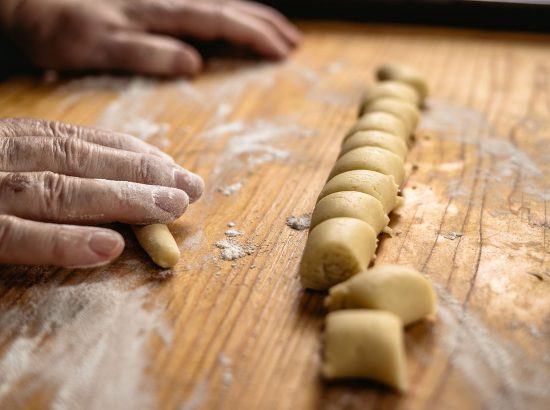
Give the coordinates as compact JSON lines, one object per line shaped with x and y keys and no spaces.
{"x":404,"y":74}
{"x":351,"y":204}
{"x":380,"y":186}
{"x":335,"y":250}
{"x":158,"y":242}
{"x":393,"y":89}
{"x":406,"y":111}
{"x":365,"y":344}
{"x":398,"y":289}
{"x":380,"y":121}
{"x":371,"y":158}
{"x":378,"y":139}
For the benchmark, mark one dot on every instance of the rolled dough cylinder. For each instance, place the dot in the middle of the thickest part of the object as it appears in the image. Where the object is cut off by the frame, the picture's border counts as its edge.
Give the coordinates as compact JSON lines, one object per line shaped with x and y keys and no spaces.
{"x":335,"y":250}
{"x":398,"y":289}
{"x":380,"y":186}
{"x":380,"y":121}
{"x":158,"y":242}
{"x":404,"y":74}
{"x":365,"y":344}
{"x":371,"y":158}
{"x":404,"y":110}
{"x":378,"y":139}
{"x":351,"y":204}
{"x":394,"y":89}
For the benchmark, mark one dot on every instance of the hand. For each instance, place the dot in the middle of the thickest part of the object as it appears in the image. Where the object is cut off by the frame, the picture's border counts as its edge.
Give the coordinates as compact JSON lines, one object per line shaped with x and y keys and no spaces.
{"x":139,"y":35}
{"x":53,"y":174}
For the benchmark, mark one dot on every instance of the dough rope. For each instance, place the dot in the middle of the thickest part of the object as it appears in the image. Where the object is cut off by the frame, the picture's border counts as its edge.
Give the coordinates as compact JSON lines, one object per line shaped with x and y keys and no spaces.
{"x":158,"y":242}
{"x":365,"y":339}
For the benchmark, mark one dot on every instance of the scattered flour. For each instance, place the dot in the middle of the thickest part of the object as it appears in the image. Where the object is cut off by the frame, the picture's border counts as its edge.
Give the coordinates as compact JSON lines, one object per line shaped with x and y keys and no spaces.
{"x":227,"y":373}
{"x":299,"y":223}
{"x":99,"y":354}
{"x":453,"y":235}
{"x":233,"y":233}
{"x":232,"y":189}
{"x":231,"y":250}
{"x":231,"y":224}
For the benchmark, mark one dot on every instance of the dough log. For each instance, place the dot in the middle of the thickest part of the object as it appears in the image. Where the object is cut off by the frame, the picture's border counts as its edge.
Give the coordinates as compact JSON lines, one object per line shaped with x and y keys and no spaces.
{"x":392,"y":89}
{"x":373,"y":159}
{"x":335,"y":250}
{"x":404,"y":110}
{"x":158,"y":242}
{"x":404,"y":74}
{"x":351,"y":204}
{"x":365,"y":344}
{"x":378,"y":139}
{"x":398,"y":289}
{"x":380,"y":121}
{"x":380,"y":186}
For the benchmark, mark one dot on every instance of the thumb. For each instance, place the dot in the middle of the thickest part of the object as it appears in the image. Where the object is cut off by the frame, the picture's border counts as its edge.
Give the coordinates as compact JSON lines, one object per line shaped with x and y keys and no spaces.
{"x":149,"y":54}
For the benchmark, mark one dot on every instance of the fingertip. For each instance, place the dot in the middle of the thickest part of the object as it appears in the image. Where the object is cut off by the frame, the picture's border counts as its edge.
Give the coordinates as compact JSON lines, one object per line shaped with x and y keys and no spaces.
{"x":106,"y":245}
{"x":189,"y":182}
{"x":188,"y":62}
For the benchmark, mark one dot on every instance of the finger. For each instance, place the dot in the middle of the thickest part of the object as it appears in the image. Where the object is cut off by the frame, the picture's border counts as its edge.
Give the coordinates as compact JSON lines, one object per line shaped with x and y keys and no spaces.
{"x":149,"y":54}
{"x":50,"y":197}
{"x":75,"y":157}
{"x":211,"y":21}
{"x":25,"y":242}
{"x":17,"y":127}
{"x":273,"y":17}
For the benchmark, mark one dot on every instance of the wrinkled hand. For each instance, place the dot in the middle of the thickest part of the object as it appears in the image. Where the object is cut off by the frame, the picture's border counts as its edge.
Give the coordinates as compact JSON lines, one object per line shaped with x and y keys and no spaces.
{"x":54,"y":174}
{"x":139,"y":35}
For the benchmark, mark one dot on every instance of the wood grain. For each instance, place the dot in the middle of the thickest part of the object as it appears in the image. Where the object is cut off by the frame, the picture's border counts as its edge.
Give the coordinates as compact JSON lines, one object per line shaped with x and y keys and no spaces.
{"x":243,"y":334}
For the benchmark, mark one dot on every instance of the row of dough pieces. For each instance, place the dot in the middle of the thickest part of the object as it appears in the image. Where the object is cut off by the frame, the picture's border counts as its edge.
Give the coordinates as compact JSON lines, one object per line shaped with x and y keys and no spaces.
{"x":366,"y":339}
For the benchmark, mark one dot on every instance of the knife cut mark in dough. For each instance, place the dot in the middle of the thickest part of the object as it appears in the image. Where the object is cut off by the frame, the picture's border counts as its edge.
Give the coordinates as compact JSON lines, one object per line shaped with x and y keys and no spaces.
{"x":351,"y":204}
{"x":404,"y":110}
{"x":380,"y":121}
{"x":373,"y":159}
{"x":365,"y":344}
{"x":378,"y":139}
{"x":380,"y":186}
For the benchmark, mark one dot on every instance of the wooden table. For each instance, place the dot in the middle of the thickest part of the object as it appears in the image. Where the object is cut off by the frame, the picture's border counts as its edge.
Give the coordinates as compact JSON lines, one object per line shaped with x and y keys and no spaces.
{"x":242,"y":334}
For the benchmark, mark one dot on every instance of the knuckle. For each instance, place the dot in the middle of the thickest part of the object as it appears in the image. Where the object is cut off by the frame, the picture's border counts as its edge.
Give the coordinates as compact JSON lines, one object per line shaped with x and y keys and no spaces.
{"x":145,"y":170}
{"x":70,"y":152}
{"x":10,"y":153}
{"x":56,"y":192}
{"x":7,"y":226}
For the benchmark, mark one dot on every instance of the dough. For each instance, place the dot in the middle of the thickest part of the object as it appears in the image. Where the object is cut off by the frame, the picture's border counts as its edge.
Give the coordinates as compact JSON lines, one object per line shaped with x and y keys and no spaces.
{"x":404,"y":74}
{"x":378,"y":139}
{"x":404,"y":110}
{"x":335,"y":250}
{"x":371,"y":158}
{"x":380,"y":186}
{"x":351,"y":204}
{"x":159,"y":244}
{"x":394,"y":89}
{"x":365,"y":344}
{"x":398,"y":289}
{"x":380,"y":121}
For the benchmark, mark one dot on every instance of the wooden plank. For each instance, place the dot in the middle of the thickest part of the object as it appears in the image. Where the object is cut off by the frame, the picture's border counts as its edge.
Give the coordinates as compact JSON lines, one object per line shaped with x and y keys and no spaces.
{"x":243,"y":334}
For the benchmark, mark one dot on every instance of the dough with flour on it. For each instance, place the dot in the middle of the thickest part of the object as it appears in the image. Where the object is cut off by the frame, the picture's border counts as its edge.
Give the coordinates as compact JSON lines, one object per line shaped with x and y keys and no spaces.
{"x":398,"y":289}
{"x":351,"y":204}
{"x":335,"y":250}
{"x":393,"y":89}
{"x":380,"y":121}
{"x":158,"y":242}
{"x":371,"y":158}
{"x":404,"y":74}
{"x":364,"y":343}
{"x":380,"y":186}
{"x":404,"y":110}
{"x":378,"y":139}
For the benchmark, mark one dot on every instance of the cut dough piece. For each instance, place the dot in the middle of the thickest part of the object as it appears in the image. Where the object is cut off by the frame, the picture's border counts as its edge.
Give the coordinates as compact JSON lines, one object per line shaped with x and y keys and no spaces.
{"x":335,"y":250}
{"x":405,"y":74}
{"x":380,"y":186}
{"x":404,"y":110}
{"x":398,"y":289}
{"x":371,"y":158}
{"x":394,"y":89}
{"x":365,"y":344}
{"x":159,"y":244}
{"x":380,"y":121}
{"x":378,"y":139}
{"x":351,"y":204}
